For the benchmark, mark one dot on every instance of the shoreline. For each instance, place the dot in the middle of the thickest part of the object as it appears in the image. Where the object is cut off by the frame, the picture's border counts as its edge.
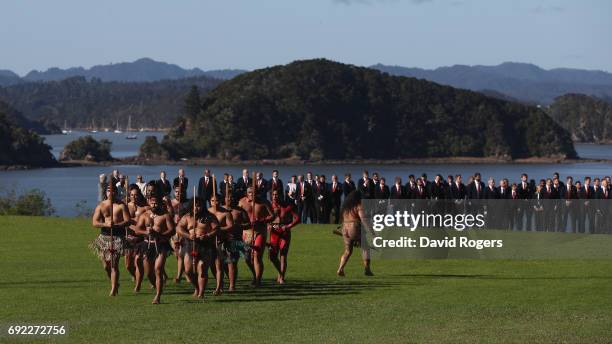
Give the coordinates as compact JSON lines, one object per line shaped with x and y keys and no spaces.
{"x":294,"y":162}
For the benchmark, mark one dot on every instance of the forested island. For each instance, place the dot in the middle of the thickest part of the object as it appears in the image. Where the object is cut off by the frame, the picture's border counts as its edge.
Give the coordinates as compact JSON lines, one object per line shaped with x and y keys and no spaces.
{"x":588,"y":119}
{"x":19,"y":146}
{"x":321,"y":110}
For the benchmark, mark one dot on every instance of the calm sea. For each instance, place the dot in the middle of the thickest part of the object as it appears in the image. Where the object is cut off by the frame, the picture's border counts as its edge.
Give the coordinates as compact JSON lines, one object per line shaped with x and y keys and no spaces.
{"x":68,"y":186}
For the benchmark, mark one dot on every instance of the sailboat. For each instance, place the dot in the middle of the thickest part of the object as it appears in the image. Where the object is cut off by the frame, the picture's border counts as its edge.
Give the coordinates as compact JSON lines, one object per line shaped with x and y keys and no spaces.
{"x":66,"y":131}
{"x":93,"y":127}
{"x":117,"y":131}
{"x":103,"y":127}
{"x":129,"y":129}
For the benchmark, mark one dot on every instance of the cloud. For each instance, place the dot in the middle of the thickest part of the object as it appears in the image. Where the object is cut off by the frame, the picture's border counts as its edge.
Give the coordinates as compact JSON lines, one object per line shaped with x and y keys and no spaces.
{"x":370,"y":2}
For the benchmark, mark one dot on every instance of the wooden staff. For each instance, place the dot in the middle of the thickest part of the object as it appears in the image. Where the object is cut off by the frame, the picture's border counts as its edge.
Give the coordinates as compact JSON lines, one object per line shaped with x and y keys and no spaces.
{"x":253,"y":219}
{"x":112,"y":247}
{"x":127,"y":200}
{"x":193,"y":249}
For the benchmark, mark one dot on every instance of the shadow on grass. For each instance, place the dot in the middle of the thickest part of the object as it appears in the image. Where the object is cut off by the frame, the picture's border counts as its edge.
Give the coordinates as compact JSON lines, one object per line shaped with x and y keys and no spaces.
{"x":493,"y":277}
{"x":294,"y":290}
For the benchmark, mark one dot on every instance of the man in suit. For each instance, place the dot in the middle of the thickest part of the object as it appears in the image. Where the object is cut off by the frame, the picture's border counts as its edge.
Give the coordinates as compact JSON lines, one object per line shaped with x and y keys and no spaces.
{"x":397,"y":190}
{"x":163,"y":185}
{"x":205,"y":187}
{"x":525,"y":191}
{"x":261,"y":186}
{"x":457,"y":193}
{"x":569,"y":209}
{"x":382,"y":190}
{"x":182,"y":181}
{"x":494,"y":207}
{"x":304,"y":200}
{"x":549,"y":197}
{"x":366,"y":186}
{"x":335,"y":196}
{"x":426,"y":184}
{"x":323,"y":198}
{"x":411,"y":187}
{"x":348,"y":186}
{"x":604,"y":209}
{"x":243,"y":184}
{"x":276,"y":184}
{"x":310,"y":200}
{"x":587,"y":216}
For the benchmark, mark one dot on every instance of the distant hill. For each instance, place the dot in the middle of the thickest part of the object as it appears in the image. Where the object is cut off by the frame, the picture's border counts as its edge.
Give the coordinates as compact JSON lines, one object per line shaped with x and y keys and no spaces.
{"x":9,"y":78}
{"x":141,"y":70}
{"x":588,"y":119}
{"x":21,"y":146}
{"x":80,"y":102}
{"x":522,"y":81}
{"x":319,"y":109}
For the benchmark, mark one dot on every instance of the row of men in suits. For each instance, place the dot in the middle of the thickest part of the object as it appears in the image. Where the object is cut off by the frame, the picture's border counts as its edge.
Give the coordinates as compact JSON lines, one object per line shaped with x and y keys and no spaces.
{"x":318,"y":200}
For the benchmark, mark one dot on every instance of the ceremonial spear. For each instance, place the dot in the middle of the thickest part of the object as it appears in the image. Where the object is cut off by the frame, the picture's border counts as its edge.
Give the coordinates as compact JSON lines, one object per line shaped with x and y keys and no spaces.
{"x":194,"y":253}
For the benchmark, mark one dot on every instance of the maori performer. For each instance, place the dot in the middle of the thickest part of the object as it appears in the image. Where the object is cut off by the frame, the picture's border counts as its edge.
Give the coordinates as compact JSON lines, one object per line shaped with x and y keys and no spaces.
{"x":157,"y":226}
{"x":260,"y":214}
{"x":111,"y":216}
{"x":232,"y":245}
{"x":133,"y":261}
{"x":179,"y":207}
{"x":353,"y":219}
{"x":226,"y":224}
{"x":285,"y":218}
{"x":198,"y":228}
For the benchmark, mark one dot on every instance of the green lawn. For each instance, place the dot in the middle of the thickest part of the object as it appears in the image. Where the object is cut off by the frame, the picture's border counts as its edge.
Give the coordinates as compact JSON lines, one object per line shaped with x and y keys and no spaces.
{"x":50,"y":277}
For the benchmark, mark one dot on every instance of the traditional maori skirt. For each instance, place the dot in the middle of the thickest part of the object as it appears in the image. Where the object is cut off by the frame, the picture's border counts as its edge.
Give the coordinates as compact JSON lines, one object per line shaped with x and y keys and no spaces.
{"x":232,"y":250}
{"x":104,"y":248}
{"x":205,"y":250}
{"x":151,"y":249}
{"x":132,"y":240}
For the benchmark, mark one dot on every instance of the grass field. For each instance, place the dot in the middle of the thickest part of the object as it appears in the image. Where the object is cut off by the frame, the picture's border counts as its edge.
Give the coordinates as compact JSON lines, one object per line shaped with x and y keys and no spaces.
{"x":50,"y":277}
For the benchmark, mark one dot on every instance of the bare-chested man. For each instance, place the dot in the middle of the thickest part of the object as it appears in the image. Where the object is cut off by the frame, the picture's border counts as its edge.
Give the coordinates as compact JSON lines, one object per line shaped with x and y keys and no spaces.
{"x":226,"y":224}
{"x":178,"y":205}
{"x":233,"y":246}
{"x":353,"y":223}
{"x":285,"y":218}
{"x":157,"y":226}
{"x":133,"y":260}
{"x":111,"y":216}
{"x":200,"y":233}
{"x":260,"y":214}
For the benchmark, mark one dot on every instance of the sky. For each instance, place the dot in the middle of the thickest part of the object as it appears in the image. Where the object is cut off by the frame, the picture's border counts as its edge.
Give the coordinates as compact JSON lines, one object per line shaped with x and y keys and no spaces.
{"x":253,"y":34}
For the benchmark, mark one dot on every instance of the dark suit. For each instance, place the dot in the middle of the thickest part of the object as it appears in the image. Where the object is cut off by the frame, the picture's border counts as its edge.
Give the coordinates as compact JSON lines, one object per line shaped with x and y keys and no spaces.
{"x":397,"y":192}
{"x":348,"y":187}
{"x":185,"y":183}
{"x":525,"y":193}
{"x":603,"y":210}
{"x":305,"y":202}
{"x":366,"y":187}
{"x":205,"y":189}
{"x":163,"y":187}
{"x":242,"y":186}
{"x":278,"y":186}
{"x":335,"y":196}
{"x":381,"y":192}
{"x":322,"y":202}
{"x":261,"y":189}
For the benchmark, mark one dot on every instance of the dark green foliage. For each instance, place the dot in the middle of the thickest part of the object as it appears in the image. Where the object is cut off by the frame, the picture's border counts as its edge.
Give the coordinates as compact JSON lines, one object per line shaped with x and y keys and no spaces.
{"x":79,"y":101}
{"x":87,"y":148}
{"x":20,"y":146}
{"x":32,"y":203}
{"x":318,"y":109}
{"x":588,"y":119}
{"x":151,"y":149}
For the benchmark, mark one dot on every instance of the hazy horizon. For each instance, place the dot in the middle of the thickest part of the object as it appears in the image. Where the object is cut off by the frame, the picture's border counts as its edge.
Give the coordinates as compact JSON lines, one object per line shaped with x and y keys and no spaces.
{"x":249,"y":35}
